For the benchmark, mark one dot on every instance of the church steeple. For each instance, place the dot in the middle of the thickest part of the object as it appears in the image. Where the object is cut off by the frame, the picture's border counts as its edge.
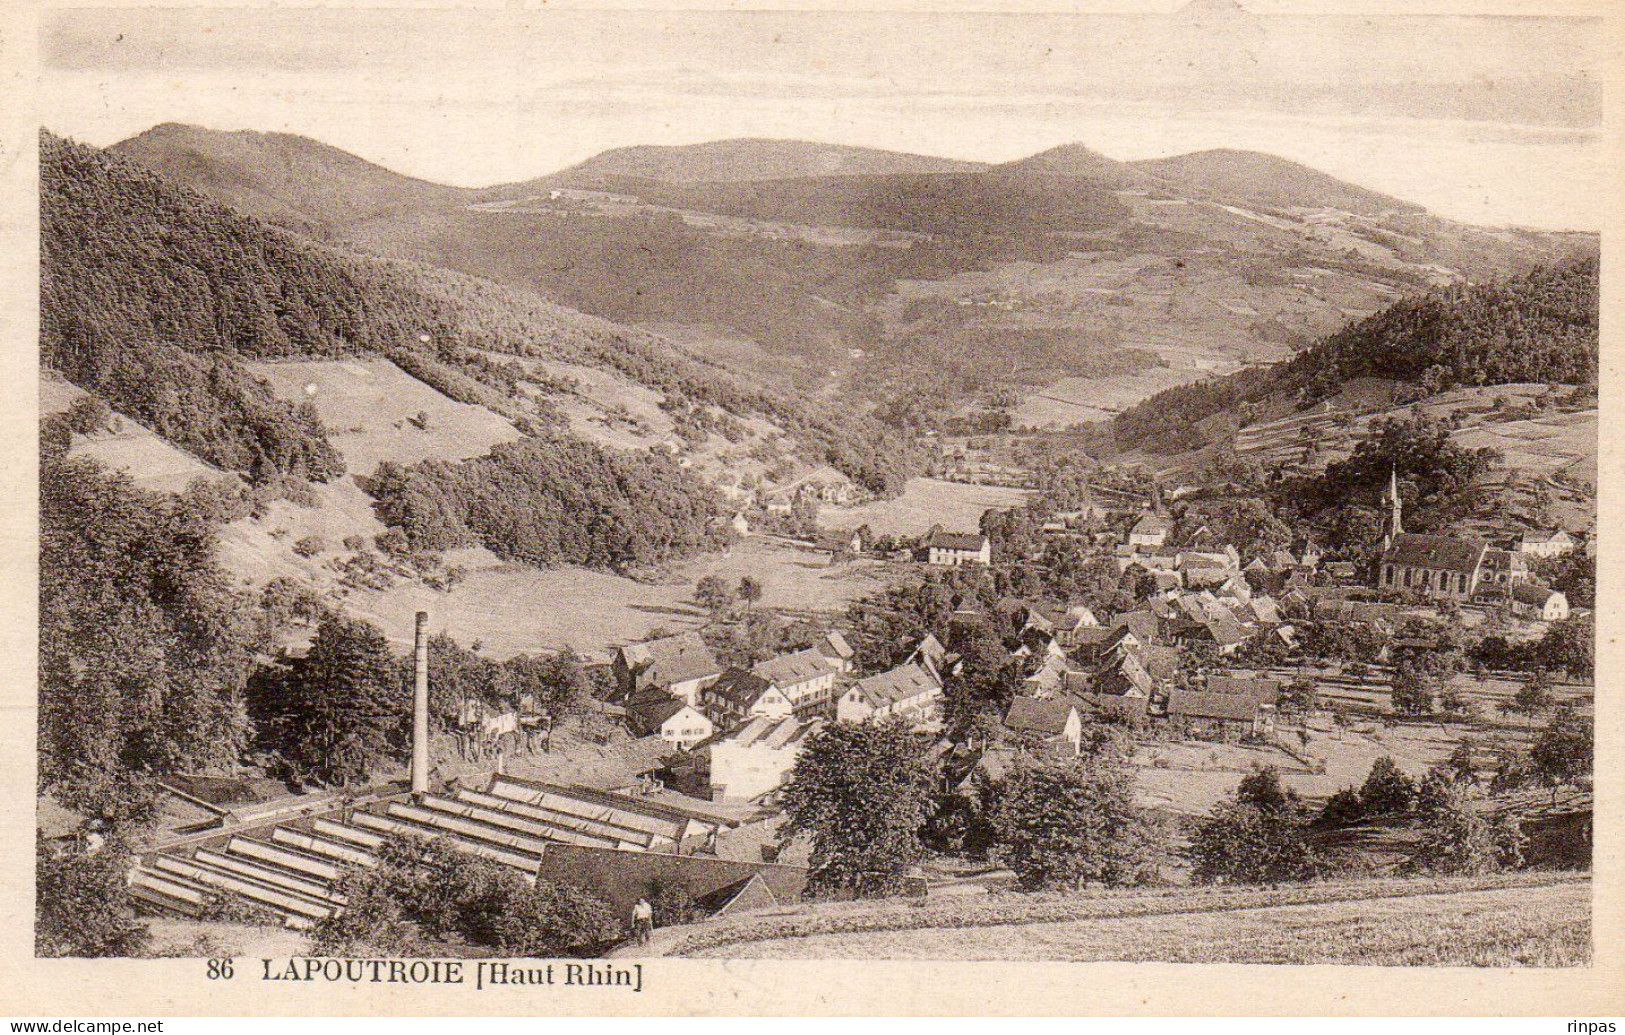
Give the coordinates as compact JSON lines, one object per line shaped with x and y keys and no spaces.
{"x":1392,"y":525}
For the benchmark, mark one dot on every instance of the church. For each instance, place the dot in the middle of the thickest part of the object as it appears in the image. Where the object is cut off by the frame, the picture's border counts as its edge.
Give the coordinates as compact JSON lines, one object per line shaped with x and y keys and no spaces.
{"x":1436,"y":566}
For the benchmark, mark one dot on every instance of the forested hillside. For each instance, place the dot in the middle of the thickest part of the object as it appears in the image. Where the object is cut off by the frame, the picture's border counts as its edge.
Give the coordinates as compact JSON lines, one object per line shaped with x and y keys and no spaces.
{"x":153,"y":296}
{"x":1540,"y":327}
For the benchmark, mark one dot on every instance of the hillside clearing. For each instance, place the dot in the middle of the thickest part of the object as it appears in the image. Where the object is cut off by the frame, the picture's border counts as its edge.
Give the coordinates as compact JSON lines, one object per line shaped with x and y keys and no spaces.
{"x":131,"y":447}
{"x":1529,"y":924}
{"x":375,"y":411}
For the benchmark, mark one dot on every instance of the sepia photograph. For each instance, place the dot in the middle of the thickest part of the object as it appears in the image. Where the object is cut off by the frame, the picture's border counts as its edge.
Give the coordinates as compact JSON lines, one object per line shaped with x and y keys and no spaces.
{"x":602,"y":485}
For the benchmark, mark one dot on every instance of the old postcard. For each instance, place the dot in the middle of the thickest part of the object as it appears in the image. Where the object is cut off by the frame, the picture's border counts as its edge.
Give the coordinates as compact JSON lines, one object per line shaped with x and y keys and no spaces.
{"x":843,"y":509}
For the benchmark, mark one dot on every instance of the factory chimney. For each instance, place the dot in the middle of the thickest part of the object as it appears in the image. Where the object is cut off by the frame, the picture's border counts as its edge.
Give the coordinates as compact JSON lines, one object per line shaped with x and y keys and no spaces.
{"x":420,"y":707}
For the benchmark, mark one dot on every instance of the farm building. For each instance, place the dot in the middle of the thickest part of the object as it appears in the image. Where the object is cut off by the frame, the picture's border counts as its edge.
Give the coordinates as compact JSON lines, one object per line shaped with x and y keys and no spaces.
{"x":1150,"y":531}
{"x":738,"y":695}
{"x":1232,"y":715}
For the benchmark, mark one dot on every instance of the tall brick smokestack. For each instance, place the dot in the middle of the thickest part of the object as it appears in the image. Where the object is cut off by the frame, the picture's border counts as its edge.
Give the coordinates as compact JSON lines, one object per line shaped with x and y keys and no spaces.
{"x":420,"y":706}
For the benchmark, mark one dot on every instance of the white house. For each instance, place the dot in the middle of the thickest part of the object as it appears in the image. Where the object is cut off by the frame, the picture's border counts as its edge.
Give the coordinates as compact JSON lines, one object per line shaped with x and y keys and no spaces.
{"x":758,"y":758}
{"x":686,"y":727}
{"x":954,"y":548}
{"x":805,"y":678}
{"x":1542,"y":544}
{"x":907,"y":691}
{"x":1049,"y":720}
{"x":1539,"y":602}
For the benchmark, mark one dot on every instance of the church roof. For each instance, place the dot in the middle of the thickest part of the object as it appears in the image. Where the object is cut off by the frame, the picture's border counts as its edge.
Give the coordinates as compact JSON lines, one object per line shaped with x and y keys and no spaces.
{"x":1438,"y":552}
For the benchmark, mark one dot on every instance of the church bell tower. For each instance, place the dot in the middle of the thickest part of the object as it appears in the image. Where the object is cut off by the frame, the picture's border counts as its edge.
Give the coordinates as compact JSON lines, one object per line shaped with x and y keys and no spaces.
{"x":1392,"y":523}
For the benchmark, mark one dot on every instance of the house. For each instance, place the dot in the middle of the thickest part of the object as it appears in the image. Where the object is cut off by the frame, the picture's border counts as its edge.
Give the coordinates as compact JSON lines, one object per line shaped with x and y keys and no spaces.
{"x":932,"y":656}
{"x":836,"y":651}
{"x":738,"y":695}
{"x":838,"y":543}
{"x":1048,"y":678}
{"x":757,"y":758}
{"x":653,"y":711}
{"x":1047,"y":720}
{"x":1123,"y":675}
{"x":804,"y":677}
{"x":1307,"y":552}
{"x":1149,"y":531}
{"x":1111,"y":707}
{"x":1231,"y":715}
{"x":907,"y":691}
{"x":953,"y":549}
{"x":1542,"y":544}
{"x":680,"y":665}
{"x":1541,"y":603}
{"x":1076,"y":617}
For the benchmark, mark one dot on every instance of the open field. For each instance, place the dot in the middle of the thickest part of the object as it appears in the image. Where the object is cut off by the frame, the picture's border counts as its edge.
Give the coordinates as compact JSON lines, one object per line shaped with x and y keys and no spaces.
{"x":371,"y":409}
{"x":132,"y":448}
{"x":1426,"y":922}
{"x":1078,"y":400}
{"x":925,"y":502}
{"x":513,"y":609}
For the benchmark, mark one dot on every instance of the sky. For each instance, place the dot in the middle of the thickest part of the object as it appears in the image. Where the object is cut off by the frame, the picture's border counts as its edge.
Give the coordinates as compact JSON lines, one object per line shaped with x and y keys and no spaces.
{"x":1491,"y":120}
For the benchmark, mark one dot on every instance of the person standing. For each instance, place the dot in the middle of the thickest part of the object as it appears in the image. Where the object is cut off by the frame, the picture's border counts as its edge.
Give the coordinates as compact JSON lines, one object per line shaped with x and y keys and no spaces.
{"x":643,"y":921}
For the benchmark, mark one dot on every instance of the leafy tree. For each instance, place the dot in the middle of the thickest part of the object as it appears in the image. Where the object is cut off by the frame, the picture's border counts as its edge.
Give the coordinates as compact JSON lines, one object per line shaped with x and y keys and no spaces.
{"x":338,"y":710}
{"x":1414,"y":690}
{"x":1387,"y":790}
{"x":712,"y":593}
{"x":1534,"y":696}
{"x":1459,"y":838}
{"x":1241,"y":843}
{"x":1262,"y":789}
{"x":1342,"y":809}
{"x":1569,"y":646}
{"x":82,"y":904}
{"x":1300,"y":696}
{"x":861,"y":792}
{"x":1562,"y":754}
{"x":750,"y":590}
{"x":1462,"y":765}
{"x":979,"y":691}
{"x":144,"y":650}
{"x":1063,"y":826}
{"x":426,"y":897}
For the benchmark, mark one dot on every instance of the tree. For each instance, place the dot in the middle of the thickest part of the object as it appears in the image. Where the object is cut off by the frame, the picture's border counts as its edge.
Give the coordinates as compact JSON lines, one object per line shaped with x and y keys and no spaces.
{"x":1387,"y":790}
{"x":1534,"y":696}
{"x":342,"y":704}
{"x":82,"y":904}
{"x":1241,"y":843}
{"x":1562,"y":754}
{"x":1570,"y":645}
{"x":1414,"y":690}
{"x":750,"y":590}
{"x":860,"y":792}
{"x":1262,"y":789}
{"x":1300,"y":696}
{"x":981,"y":688}
{"x":1063,"y":826}
{"x":1462,"y":765}
{"x":712,"y":594}
{"x":1459,"y":838}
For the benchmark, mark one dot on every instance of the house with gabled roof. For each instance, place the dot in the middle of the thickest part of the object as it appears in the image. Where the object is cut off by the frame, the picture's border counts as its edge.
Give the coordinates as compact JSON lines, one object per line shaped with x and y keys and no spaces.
{"x":907,"y":691}
{"x":1149,"y":531}
{"x":1541,"y":603}
{"x":953,"y":549}
{"x":1045,"y":721}
{"x":739,"y":695}
{"x":757,"y":759}
{"x":804,"y":677}
{"x":680,"y":665}
{"x":1230,"y":714}
{"x":833,"y":646}
{"x":1546,"y":544}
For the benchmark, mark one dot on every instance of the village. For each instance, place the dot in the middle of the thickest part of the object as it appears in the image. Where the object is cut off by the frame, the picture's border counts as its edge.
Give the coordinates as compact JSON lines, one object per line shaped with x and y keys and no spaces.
{"x":1213,"y":662}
